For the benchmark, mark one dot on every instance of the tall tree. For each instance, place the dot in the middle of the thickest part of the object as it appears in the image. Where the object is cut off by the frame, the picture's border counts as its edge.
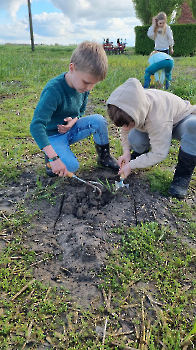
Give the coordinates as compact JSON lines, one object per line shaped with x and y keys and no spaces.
{"x":146,"y":9}
{"x":142,"y":10}
{"x":192,"y":4}
{"x":185,"y":14}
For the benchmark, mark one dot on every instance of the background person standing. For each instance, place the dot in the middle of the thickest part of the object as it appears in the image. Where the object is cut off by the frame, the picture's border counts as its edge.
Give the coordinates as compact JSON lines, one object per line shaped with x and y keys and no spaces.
{"x":161,"y":33}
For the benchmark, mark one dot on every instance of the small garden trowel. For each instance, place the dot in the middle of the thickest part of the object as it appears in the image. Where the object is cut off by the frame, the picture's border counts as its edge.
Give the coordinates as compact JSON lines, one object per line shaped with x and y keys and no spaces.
{"x":121,"y":183}
{"x":90,"y":183}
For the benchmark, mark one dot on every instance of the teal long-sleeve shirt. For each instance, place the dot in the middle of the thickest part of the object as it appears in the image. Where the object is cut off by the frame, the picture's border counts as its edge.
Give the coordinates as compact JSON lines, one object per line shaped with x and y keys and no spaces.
{"x":57,"y":102}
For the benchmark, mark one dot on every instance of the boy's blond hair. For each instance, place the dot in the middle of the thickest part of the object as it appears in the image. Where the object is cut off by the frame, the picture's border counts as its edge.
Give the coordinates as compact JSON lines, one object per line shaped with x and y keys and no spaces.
{"x":90,"y":57}
{"x":160,"y":17}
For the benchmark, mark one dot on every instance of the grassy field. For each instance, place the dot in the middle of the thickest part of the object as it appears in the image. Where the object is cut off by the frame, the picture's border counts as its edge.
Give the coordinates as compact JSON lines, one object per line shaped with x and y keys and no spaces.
{"x":33,"y":312}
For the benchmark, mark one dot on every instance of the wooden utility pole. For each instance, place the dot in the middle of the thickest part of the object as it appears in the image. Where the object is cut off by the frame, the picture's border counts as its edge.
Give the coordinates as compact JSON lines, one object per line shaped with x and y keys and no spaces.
{"x":31,"y":26}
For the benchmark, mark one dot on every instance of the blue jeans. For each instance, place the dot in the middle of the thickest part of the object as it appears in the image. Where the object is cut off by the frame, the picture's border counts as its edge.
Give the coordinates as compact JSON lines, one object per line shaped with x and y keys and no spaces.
{"x":184,"y":131}
{"x":84,"y":127}
{"x":155,"y":67}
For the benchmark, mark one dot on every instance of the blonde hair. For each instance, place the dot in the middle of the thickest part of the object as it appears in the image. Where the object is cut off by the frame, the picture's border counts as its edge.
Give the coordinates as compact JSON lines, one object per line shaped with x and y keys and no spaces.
{"x":160,"y":17}
{"x":90,"y":57}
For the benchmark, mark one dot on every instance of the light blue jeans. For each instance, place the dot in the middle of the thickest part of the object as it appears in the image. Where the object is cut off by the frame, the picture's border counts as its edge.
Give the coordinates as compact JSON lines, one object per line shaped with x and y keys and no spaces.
{"x":184,"y":131}
{"x":84,"y":127}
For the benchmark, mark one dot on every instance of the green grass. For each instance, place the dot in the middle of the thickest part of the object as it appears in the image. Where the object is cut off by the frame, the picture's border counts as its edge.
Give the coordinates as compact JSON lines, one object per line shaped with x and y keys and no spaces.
{"x":149,"y":259}
{"x":154,"y":263}
{"x":23,"y":78}
{"x":152,"y":260}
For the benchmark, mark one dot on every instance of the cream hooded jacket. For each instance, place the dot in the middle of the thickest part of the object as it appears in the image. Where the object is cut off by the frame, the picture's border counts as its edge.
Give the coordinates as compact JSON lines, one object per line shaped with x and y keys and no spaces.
{"x":155,"y":112}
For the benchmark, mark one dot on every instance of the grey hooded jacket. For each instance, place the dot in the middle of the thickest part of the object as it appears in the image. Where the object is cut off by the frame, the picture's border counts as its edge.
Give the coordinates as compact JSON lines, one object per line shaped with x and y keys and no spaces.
{"x":155,"y":112}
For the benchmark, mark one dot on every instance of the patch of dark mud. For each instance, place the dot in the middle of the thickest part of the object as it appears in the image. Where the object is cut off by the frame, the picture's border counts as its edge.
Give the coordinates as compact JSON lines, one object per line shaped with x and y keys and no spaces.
{"x":78,"y":228}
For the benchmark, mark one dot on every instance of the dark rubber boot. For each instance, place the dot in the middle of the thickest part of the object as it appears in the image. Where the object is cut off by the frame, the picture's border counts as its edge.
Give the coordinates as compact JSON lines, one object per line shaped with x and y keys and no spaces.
{"x":104,"y":157}
{"x":49,"y":170}
{"x":134,"y":154}
{"x":182,"y":176}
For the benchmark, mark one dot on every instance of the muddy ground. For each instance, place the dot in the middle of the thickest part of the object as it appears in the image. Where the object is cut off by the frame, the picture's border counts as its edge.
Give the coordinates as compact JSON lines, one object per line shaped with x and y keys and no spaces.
{"x":77,"y":227}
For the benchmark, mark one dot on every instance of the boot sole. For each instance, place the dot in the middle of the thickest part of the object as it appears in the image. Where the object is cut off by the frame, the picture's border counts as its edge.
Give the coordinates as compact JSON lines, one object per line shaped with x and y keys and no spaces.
{"x":177,"y":195}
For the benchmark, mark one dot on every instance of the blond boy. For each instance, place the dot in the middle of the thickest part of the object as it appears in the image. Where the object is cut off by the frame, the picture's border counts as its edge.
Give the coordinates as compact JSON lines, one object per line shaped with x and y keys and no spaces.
{"x":58,"y":119}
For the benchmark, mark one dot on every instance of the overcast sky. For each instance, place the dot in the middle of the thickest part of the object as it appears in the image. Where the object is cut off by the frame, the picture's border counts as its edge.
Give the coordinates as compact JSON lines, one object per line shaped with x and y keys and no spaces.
{"x":67,"y":21}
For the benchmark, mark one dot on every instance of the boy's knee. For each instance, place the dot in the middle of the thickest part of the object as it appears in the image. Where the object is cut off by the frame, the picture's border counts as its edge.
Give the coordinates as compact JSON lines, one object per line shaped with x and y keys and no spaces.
{"x":100,"y":118}
{"x":99,"y":121}
{"x":73,"y":166}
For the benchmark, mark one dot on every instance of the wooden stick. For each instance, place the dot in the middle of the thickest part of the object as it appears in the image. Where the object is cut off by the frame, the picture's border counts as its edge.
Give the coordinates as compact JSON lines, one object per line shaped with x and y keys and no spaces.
{"x":23,"y":289}
{"x":104,"y":332}
{"x":128,"y":306}
{"x":119,"y":334}
{"x":5,"y":217}
{"x":30,"y":330}
{"x":143,"y":331}
{"x":29,"y":296}
{"x":150,"y":297}
{"x":107,"y":299}
{"x":124,"y":346}
{"x":47,"y":293}
{"x":28,"y":333}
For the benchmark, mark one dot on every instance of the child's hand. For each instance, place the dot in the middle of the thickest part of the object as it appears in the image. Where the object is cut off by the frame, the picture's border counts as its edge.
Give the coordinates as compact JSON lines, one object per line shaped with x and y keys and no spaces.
{"x":62,"y":129}
{"x":126,"y":169}
{"x":154,"y":21}
{"x":171,"y":50}
{"x":125,"y":157}
{"x":58,"y":167}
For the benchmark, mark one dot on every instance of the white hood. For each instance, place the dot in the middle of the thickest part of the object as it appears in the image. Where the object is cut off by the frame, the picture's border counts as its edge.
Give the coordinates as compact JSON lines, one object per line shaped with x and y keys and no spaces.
{"x":154,"y":112}
{"x":131,"y":98}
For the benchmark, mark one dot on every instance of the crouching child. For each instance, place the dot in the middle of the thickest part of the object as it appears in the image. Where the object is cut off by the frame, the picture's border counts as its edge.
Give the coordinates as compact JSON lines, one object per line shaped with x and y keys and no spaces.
{"x":149,"y":120}
{"x":159,"y":62}
{"x":59,"y":121}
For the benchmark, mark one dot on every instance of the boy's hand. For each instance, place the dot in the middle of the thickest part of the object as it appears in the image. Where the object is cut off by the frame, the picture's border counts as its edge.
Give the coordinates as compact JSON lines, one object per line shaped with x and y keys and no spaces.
{"x":126,"y":169}
{"x":58,"y":167}
{"x":62,"y":129}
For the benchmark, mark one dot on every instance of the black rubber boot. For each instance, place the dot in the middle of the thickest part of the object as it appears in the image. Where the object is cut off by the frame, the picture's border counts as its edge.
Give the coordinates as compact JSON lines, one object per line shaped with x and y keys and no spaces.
{"x":104,"y":157}
{"x":134,"y":154}
{"x":49,"y":170}
{"x":182,"y":176}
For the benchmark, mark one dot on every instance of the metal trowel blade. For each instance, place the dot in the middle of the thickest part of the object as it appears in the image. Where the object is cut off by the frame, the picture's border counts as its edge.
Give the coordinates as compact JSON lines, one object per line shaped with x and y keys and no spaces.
{"x":120,"y":184}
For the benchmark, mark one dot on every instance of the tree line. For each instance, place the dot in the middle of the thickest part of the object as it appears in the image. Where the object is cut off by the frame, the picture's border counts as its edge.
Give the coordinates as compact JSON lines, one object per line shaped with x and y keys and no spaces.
{"x":146,"y":9}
